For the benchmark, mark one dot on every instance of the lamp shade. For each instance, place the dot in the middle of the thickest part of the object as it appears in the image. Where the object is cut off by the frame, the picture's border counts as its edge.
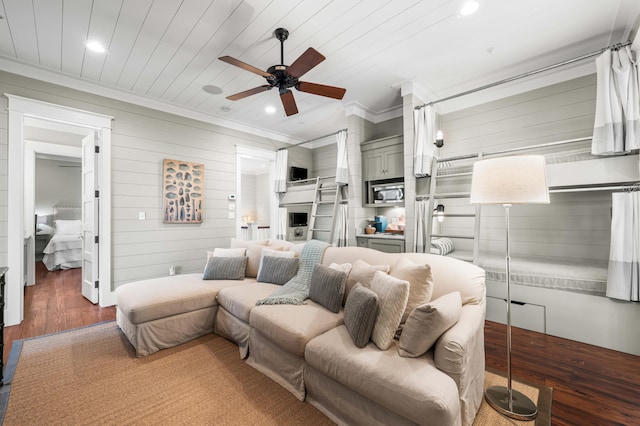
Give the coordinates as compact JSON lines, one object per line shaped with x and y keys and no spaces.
{"x":518,"y":179}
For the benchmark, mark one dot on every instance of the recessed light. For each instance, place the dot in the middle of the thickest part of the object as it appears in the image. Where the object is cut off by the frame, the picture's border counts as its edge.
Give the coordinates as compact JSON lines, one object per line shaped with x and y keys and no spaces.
{"x":225,"y":109}
{"x":95,"y":46}
{"x":270,"y":109}
{"x":469,"y":7}
{"x":214,"y":90}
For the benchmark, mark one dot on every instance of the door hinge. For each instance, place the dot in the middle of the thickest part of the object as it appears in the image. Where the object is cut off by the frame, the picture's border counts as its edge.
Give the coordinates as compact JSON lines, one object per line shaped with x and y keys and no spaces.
{"x":97,"y":194}
{"x":96,"y":239}
{"x":96,"y":284}
{"x":97,"y":149}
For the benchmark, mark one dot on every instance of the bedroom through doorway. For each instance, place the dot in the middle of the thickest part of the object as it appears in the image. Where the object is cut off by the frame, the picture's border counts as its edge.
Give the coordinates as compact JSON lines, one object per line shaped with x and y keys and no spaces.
{"x":53,"y":188}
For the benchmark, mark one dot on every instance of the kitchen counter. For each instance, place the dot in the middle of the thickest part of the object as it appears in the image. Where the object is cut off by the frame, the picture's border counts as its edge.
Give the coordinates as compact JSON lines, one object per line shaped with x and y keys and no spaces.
{"x":382,"y":235}
{"x":388,"y":243}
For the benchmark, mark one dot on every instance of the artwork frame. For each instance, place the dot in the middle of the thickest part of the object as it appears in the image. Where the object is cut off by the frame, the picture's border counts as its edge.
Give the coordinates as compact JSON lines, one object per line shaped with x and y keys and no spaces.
{"x":182,"y":192}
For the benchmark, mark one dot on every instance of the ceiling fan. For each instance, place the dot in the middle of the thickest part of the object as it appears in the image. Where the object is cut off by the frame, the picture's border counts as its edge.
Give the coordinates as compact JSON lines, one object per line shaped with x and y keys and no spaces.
{"x":283,"y":77}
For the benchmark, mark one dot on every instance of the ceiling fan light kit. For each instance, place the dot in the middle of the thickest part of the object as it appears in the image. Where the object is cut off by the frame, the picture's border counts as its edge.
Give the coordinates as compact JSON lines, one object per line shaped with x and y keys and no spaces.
{"x":284,"y":77}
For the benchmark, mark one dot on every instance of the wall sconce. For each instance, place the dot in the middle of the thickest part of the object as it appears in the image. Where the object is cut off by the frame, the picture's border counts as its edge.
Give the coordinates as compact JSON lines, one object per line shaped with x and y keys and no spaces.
{"x":439,"y":212}
{"x":439,"y":139}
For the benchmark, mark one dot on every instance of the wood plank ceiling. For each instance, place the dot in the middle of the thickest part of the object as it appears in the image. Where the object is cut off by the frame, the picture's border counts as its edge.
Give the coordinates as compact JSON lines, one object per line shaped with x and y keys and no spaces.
{"x":165,"y":51}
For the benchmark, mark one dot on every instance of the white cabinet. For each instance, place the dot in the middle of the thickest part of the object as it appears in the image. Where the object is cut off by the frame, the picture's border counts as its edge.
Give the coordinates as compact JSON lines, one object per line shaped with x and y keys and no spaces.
{"x":383,"y":158}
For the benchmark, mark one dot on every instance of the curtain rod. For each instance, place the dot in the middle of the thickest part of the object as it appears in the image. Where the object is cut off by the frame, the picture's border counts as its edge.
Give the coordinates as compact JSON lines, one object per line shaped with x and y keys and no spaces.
{"x":527,"y":74}
{"x":312,"y":140}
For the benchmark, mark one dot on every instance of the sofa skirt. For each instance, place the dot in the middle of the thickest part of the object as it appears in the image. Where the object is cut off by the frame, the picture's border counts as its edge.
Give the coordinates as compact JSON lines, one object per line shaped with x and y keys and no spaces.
{"x":234,"y":329}
{"x":345,"y":406}
{"x":163,"y":333}
{"x":278,"y":364}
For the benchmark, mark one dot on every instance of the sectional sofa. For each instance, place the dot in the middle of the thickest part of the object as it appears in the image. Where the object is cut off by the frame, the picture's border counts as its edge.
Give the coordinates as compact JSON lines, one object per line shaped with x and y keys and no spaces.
{"x":309,"y":349}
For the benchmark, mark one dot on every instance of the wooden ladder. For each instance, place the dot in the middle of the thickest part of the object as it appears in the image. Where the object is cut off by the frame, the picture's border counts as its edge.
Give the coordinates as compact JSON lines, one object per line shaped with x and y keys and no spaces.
{"x":328,"y":195}
{"x":434,"y":196}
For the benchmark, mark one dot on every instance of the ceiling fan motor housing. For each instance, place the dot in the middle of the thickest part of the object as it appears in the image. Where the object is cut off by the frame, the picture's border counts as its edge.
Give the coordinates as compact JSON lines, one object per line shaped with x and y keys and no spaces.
{"x":280,"y":78}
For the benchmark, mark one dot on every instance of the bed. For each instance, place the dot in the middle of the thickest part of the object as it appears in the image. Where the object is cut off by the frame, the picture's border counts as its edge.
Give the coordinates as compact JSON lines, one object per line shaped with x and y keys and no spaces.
{"x":64,"y":250}
{"x":552,"y":294}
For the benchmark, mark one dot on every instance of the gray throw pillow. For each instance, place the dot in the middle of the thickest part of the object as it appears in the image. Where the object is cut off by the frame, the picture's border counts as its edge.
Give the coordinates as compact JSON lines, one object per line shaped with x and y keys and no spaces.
{"x":327,"y":287}
{"x":225,"y":268}
{"x":360,"y":314}
{"x":277,"y":270}
{"x":427,"y":323}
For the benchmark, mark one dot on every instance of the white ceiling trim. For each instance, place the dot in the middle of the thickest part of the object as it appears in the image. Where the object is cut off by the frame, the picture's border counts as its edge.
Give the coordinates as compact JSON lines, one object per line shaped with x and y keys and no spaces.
{"x":357,"y":109}
{"x":27,"y":70}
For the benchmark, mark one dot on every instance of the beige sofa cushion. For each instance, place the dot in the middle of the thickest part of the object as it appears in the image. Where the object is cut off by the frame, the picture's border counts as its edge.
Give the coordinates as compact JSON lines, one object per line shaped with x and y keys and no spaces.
{"x":239,"y":301}
{"x":362,"y":272}
{"x":392,"y":300}
{"x":410,"y":387}
{"x":254,"y":252}
{"x":292,"y":326}
{"x":420,"y":283}
{"x":427,"y":323}
{"x":147,"y":300}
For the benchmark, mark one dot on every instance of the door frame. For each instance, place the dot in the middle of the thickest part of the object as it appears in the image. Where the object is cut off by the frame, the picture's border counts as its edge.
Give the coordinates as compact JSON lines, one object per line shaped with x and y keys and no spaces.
{"x":263,"y":154}
{"x":18,"y":108}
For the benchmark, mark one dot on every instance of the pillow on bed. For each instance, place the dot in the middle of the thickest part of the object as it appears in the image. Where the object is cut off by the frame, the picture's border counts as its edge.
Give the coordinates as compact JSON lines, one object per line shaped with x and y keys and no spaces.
{"x":68,"y":227}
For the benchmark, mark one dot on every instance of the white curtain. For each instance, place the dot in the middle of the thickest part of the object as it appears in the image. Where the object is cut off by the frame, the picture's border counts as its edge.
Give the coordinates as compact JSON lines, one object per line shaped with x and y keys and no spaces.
{"x":342,"y":165}
{"x":340,"y":234}
{"x":421,"y":245}
{"x":616,"y":127}
{"x":423,"y":147}
{"x":623,"y":280}
{"x":281,"y":222}
{"x":280,"y":184}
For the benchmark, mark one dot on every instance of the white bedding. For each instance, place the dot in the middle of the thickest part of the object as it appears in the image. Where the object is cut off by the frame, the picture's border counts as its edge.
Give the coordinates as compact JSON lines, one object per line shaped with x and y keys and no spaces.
{"x":63,"y":252}
{"x":580,"y":276}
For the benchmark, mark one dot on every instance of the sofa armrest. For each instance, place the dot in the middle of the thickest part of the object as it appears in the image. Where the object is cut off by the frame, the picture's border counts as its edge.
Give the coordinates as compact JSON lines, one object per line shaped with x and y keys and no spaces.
{"x":460,"y":353}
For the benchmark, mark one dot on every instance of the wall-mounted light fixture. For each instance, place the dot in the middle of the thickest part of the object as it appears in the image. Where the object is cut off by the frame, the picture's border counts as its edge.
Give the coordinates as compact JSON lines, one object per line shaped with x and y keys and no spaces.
{"x":439,"y":212}
{"x":439,"y":139}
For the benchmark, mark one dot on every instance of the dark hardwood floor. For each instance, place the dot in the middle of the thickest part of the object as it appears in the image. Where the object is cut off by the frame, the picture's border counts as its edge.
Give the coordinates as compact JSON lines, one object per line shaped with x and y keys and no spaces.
{"x":54,"y":303}
{"x":591,"y":385}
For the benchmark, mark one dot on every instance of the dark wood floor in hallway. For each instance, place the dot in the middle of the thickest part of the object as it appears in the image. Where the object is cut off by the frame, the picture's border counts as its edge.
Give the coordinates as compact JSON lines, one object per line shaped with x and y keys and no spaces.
{"x":591,"y":385}
{"x":55,"y":303}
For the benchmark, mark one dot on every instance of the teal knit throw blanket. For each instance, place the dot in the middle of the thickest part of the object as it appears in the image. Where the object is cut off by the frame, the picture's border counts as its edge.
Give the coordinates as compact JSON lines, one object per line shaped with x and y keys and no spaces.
{"x":297,"y":288}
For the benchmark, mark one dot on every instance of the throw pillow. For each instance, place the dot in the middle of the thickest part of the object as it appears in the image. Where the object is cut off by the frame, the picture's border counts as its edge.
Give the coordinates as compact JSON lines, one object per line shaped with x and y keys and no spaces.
{"x":360,"y":313}
{"x":227,"y":252}
{"x":427,"y":323}
{"x":392,"y":300}
{"x":362,"y":272}
{"x":254,"y":253}
{"x":327,"y":287}
{"x":278,"y":270}
{"x":420,"y":283}
{"x":344,"y":267}
{"x":274,"y":253}
{"x":225,"y":268}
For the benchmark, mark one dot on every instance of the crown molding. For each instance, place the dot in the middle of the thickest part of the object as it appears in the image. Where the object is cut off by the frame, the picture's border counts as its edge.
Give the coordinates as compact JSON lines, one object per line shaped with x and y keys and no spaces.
{"x":65,"y":80}
{"x":357,"y":109}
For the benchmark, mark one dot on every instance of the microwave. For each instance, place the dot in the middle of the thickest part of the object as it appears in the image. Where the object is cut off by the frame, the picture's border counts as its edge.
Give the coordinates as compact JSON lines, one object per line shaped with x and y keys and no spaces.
{"x":387,"y":193}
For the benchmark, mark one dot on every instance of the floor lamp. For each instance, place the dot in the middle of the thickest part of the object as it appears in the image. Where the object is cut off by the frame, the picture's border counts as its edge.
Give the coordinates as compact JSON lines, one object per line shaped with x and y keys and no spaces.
{"x":510,"y":180}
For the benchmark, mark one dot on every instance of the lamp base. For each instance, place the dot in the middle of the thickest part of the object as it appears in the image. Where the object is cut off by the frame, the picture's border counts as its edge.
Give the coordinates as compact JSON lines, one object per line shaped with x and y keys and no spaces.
{"x":522,"y":407}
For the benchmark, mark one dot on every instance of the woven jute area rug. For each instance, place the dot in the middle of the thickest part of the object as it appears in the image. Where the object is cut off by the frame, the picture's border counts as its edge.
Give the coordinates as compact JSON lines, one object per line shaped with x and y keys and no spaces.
{"x":539,"y":394}
{"x":91,"y":376}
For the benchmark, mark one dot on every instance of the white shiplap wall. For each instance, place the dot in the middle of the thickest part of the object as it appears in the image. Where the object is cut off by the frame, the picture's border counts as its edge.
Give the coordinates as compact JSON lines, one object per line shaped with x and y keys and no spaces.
{"x":141,"y":139}
{"x":574,"y":225}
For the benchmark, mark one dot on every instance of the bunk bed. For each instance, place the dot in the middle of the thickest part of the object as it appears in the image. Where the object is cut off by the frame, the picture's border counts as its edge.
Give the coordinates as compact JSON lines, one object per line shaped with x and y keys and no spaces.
{"x":559,"y":296}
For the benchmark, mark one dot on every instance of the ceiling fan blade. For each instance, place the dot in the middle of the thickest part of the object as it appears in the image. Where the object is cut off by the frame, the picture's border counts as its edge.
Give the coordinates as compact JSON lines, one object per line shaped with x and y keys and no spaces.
{"x":321,"y":89}
{"x":249,"y":92}
{"x":244,"y":66}
{"x":289,"y":103}
{"x":309,"y":59}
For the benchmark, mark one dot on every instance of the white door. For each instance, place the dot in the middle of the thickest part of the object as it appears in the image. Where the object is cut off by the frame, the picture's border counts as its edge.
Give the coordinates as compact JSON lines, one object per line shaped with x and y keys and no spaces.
{"x":90,"y":200}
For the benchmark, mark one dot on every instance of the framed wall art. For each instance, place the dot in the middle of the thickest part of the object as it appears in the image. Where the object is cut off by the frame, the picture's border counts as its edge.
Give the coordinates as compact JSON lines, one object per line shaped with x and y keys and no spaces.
{"x":183,"y":193}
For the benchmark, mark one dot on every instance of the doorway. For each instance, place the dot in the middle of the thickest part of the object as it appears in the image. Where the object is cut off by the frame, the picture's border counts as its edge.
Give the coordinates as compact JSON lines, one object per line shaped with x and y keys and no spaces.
{"x":256,"y":207}
{"x":20,"y":225}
